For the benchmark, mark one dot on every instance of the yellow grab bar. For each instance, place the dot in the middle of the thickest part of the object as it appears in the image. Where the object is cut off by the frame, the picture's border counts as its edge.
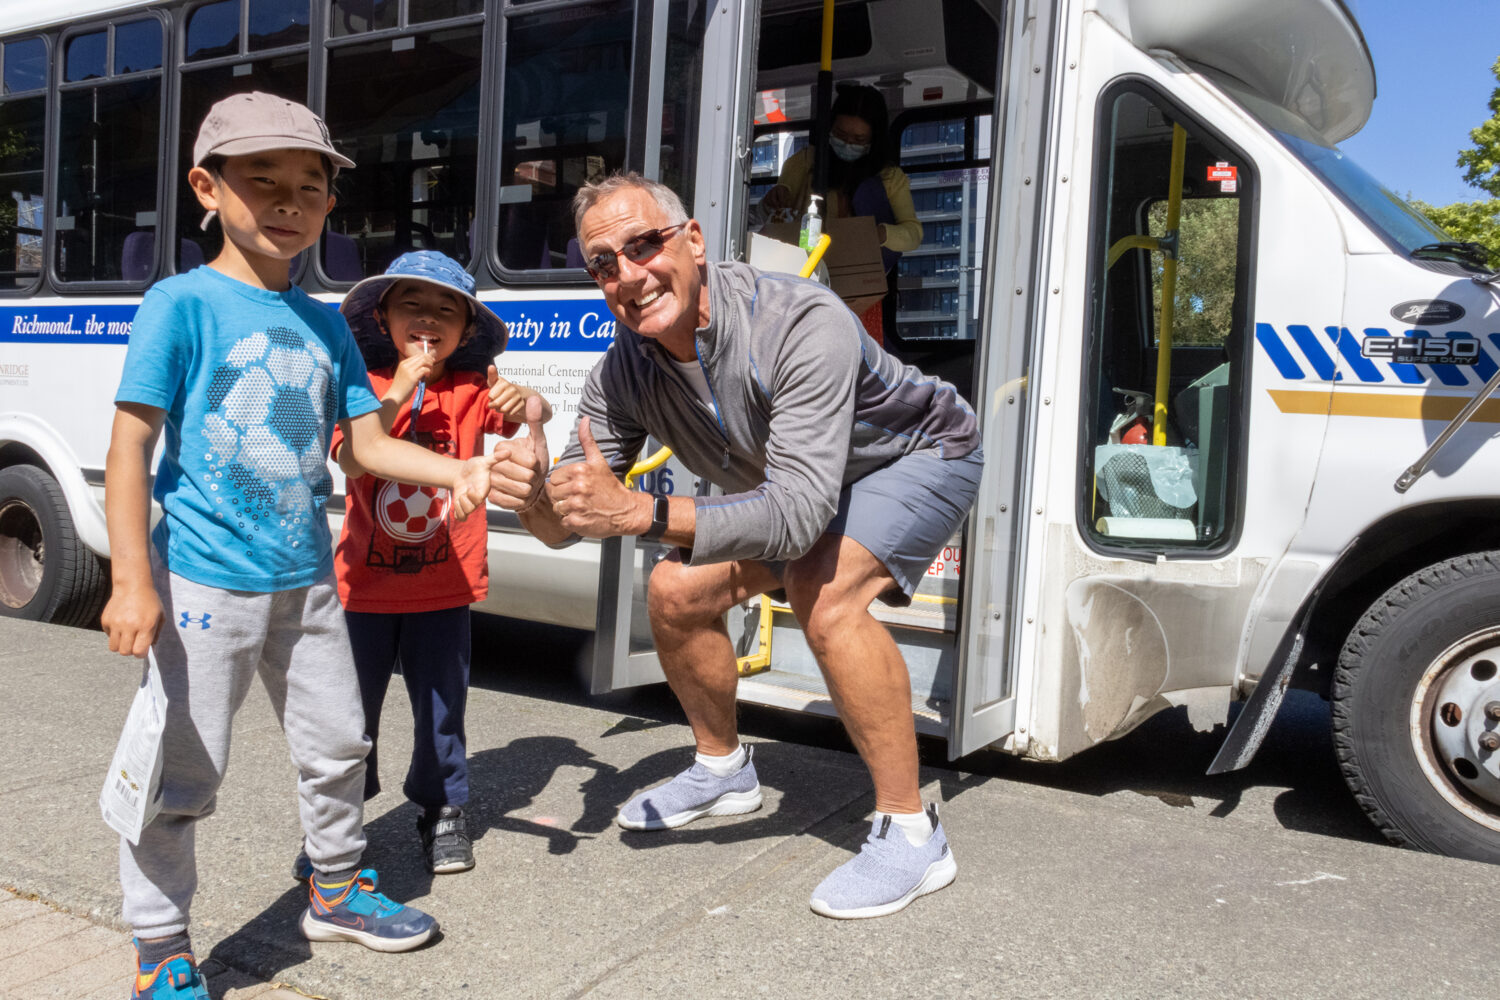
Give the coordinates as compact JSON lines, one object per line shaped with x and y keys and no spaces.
{"x":645,"y":465}
{"x":1126,"y":243}
{"x":1168,"y":291}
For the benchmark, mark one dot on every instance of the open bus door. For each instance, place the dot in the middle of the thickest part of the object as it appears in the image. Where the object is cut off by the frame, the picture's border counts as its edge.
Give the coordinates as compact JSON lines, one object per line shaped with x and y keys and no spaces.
{"x":990,"y":656}
{"x":623,"y":653}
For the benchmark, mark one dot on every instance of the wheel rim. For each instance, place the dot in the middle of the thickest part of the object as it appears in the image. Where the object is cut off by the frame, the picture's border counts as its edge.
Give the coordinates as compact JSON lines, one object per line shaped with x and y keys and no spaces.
{"x":22,"y":553}
{"x":1454,"y":726}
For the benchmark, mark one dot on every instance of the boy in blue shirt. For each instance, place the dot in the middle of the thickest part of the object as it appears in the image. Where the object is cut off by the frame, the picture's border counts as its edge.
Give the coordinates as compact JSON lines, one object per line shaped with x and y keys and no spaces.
{"x":248,"y":375}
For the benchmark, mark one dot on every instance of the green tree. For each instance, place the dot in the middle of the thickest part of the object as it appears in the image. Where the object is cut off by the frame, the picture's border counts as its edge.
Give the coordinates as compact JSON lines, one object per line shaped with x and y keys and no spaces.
{"x":1468,"y":222}
{"x":1482,"y":163}
{"x":1477,"y":221}
{"x":1208,"y":248}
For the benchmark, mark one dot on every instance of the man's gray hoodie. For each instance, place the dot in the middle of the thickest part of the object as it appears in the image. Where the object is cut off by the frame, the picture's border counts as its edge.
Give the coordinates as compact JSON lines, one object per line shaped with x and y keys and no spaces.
{"x":804,"y":402}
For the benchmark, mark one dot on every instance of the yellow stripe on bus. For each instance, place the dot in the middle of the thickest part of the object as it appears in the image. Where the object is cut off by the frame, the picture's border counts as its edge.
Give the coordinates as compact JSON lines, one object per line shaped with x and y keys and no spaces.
{"x":1396,"y":406}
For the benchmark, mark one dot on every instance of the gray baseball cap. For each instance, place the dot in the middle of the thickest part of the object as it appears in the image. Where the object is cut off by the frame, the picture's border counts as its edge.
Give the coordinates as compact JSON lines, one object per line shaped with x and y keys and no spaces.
{"x":256,"y":122}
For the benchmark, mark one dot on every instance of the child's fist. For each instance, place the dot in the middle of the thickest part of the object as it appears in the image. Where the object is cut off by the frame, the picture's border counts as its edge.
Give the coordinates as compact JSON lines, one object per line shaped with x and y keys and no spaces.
{"x":506,"y":398}
{"x":412,"y":370}
{"x":472,"y":486}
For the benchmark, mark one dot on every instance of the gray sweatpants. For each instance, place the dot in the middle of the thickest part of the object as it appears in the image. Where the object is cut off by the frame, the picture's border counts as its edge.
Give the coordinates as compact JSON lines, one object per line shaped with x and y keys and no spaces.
{"x":211,"y":645}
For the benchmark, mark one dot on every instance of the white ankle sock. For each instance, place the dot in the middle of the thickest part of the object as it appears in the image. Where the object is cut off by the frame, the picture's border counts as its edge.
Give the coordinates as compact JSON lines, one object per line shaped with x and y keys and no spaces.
{"x":723,"y":767}
{"x":917,"y":826}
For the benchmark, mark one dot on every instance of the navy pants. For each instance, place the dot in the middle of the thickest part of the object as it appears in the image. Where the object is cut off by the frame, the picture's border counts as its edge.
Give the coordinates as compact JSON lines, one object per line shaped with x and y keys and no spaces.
{"x":432,"y":648}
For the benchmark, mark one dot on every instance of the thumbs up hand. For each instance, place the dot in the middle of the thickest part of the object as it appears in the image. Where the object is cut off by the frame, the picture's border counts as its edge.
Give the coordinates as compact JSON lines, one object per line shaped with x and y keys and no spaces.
{"x":518,"y":479}
{"x":588,"y":499}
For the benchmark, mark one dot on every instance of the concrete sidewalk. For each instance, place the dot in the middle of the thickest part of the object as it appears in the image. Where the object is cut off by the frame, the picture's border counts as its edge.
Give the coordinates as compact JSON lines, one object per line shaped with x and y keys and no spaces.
{"x":46,"y":952}
{"x":1095,"y":886}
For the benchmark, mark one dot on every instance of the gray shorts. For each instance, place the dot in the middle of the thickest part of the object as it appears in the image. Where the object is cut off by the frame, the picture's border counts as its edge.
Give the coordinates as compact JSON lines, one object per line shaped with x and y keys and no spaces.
{"x":905,"y":512}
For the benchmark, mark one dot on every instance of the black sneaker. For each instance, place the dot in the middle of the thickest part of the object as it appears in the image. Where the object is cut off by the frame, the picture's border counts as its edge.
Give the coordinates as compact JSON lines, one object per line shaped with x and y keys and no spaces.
{"x":445,"y":840}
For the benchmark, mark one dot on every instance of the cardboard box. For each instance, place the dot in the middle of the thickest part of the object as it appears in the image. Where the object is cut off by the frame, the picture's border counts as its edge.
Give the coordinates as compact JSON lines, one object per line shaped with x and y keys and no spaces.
{"x":855,"y":268}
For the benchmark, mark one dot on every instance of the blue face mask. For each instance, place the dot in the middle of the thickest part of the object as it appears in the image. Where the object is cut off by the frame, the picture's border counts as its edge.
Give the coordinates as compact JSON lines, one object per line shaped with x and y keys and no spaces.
{"x":846,"y":151}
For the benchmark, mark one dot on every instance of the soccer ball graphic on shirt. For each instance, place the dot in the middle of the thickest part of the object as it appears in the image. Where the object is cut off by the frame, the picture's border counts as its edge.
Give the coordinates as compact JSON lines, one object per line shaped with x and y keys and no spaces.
{"x":265,"y":431}
{"x":410,"y":513}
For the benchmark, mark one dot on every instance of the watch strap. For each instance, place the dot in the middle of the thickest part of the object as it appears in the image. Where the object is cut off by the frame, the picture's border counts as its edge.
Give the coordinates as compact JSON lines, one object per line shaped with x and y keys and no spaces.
{"x":659,"y":507}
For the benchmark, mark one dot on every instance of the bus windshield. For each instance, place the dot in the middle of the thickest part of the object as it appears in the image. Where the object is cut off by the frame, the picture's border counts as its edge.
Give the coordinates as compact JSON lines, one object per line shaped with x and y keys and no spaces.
{"x":1381,"y":207}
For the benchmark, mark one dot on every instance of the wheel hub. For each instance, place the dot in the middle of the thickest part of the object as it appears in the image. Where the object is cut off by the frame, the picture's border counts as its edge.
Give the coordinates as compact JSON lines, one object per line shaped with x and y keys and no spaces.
{"x":22,"y":554}
{"x":1462,"y":709}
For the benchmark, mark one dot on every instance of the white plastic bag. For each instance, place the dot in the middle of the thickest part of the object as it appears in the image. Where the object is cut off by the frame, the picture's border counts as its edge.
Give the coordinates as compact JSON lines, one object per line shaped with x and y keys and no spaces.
{"x":131,"y":796}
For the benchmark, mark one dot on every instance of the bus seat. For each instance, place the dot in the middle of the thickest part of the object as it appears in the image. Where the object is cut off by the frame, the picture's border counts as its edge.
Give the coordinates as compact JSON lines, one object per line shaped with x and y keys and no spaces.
{"x":1201,"y":412}
{"x":139,"y":248}
{"x":575,"y":253}
{"x":341,"y":257}
{"x":189,"y":255}
{"x":136,"y":255}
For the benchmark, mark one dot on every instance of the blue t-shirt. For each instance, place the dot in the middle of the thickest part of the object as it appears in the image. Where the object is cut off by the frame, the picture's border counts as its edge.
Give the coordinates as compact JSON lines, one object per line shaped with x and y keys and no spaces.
{"x":252,"y":382}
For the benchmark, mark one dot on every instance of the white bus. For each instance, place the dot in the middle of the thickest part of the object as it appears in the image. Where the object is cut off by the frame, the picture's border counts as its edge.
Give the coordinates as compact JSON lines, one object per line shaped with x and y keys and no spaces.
{"x":1203,"y":344}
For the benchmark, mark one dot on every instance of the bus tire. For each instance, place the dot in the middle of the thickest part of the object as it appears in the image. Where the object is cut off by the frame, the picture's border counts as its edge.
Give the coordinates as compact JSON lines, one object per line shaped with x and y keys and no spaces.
{"x":1416,"y":690}
{"x":46,"y":573}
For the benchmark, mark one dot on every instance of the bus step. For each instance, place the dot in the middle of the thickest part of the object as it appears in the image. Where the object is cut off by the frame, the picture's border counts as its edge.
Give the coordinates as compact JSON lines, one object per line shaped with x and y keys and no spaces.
{"x":800,"y":693}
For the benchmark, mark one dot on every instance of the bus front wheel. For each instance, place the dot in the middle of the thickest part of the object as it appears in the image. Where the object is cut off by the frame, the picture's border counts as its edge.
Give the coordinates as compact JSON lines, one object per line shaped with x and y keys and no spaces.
{"x":46,"y":573}
{"x":1416,"y":709}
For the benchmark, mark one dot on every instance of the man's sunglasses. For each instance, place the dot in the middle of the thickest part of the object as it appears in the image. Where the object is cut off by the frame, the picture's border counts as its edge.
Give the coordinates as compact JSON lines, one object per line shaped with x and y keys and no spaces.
{"x":637,"y":249}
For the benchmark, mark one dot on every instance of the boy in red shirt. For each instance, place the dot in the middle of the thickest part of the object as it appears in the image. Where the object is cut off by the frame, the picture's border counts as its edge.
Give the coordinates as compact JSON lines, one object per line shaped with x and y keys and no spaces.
{"x":407,"y":572}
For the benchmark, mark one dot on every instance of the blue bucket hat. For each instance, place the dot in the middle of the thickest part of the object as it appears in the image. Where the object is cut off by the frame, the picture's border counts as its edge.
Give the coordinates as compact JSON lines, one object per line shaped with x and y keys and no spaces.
{"x":438,"y":269}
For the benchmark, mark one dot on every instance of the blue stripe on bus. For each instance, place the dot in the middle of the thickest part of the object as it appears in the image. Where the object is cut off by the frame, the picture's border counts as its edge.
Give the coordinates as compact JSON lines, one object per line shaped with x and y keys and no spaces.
{"x":1403,"y":371}
{"x":1446,"y":374}
{"x":1322,"y":364}
{"x":581,"y":325}
{"x":1484,"y":365}
{"x":1343,"y":338}
{"x":1265,"y":335}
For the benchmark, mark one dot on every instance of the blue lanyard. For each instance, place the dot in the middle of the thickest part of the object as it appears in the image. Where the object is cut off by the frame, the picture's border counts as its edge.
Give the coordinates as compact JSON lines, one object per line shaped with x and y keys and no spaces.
{"x":416,"y":407}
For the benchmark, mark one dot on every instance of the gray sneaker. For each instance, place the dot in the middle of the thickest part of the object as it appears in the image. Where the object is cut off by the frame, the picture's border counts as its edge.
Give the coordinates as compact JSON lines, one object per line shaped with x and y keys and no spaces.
{"x":887,"y":873}
{"x":691,"y":795}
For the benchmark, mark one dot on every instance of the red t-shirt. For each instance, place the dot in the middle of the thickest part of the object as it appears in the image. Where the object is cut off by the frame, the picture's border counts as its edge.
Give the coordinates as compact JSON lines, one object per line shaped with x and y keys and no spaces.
{"x":401,"y":549}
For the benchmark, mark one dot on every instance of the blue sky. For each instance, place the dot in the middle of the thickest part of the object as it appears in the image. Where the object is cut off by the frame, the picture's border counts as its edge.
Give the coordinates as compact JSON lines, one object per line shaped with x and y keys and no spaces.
{"x":1433,"y":82}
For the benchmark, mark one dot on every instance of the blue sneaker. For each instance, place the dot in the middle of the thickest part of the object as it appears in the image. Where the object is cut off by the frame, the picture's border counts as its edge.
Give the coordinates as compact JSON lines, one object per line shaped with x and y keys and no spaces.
{"x":887,"y":873}
{"x":693,"y":794}
{"x":354,"y":911}
{"x":176,"y":978}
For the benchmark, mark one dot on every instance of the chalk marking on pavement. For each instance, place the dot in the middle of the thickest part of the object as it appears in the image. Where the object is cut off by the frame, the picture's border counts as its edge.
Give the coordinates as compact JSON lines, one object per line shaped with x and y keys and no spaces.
{"x":1317,"y":877}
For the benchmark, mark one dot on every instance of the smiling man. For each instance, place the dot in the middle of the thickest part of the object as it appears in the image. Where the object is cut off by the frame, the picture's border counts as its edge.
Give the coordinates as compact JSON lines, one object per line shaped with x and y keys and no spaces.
{"x":844,"y":472}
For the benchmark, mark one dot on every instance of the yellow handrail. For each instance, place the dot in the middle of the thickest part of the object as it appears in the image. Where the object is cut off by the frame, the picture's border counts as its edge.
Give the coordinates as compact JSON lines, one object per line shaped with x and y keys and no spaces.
{"x":1168,"y":291}
{"x":645,"y":465}
{"x":660,"y":456}
{"x":1125,"y":243}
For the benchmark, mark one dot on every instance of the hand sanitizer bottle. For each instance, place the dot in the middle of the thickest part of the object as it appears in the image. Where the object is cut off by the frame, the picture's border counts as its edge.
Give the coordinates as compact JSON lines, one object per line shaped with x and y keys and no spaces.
{"x":812,"y":225}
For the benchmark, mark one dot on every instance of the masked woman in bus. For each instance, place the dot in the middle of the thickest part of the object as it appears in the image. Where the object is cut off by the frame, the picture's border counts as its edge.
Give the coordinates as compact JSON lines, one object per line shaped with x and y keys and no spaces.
{"x":863,"y":179}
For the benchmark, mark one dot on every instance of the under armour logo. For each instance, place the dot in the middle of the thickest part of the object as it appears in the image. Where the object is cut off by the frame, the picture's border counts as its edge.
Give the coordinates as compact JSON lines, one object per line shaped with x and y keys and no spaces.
{"x":188,"y":619}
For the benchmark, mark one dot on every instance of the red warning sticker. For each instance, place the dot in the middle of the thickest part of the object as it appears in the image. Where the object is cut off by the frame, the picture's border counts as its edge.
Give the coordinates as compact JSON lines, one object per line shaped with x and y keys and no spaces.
{"x":1222,"y":171}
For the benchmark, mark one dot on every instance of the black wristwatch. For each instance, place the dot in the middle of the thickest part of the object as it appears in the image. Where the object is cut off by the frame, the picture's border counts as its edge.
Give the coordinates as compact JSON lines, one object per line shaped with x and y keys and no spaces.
{"x":658,"y":519}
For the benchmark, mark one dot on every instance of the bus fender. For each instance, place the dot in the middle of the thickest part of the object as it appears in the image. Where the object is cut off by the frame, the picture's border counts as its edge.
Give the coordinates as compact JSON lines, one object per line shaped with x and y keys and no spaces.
{"x":1254,"y":721}
{"x":62,"y":464}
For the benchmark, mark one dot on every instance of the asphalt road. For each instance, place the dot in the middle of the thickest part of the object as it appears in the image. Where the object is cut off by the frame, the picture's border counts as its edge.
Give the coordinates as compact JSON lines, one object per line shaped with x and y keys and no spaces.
{"x":1125,"y":872}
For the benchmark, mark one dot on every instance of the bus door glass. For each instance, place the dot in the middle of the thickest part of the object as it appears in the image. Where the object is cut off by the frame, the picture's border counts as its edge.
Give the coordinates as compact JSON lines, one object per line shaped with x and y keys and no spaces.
{"x":1161,"y":439}
{"x":23,"y":122}
{"x":232,"y":46}
{"x":939,"y":295}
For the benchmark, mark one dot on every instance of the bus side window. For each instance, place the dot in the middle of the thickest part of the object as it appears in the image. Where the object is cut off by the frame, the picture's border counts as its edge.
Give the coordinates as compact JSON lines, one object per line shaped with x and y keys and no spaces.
{"x":1157,"y":478}
{"x":567,"y":102}
{"x":23,"y":118}
{"x":406,"y":110}
{"x":217,"y":62}
{"x":109,"y":130}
